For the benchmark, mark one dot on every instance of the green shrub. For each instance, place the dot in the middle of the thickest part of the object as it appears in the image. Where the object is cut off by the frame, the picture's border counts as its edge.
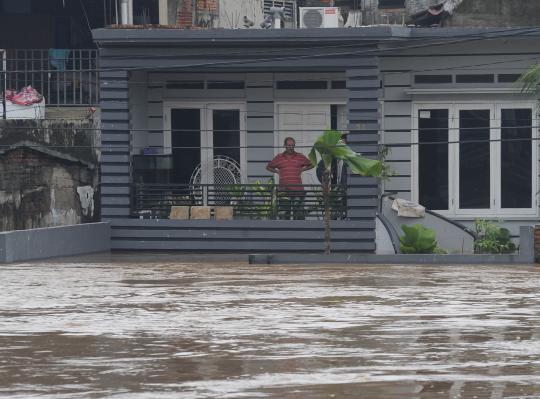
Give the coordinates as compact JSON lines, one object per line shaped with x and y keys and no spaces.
{"x":419,"y":240}
{"x":491,"y":238}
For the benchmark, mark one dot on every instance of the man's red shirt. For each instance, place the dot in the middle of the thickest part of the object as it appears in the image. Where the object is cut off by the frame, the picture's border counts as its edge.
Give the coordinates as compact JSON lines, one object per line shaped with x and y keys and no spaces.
{"x":289,"y":168}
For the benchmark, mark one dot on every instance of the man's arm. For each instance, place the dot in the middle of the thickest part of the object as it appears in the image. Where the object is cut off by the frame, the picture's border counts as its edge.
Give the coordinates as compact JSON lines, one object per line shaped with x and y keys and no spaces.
{"x":272,"y":166}
{"x":306,"y":165}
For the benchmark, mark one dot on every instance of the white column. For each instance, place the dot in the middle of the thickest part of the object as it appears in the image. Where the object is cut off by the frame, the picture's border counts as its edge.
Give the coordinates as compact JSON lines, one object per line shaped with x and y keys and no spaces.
{"x":130,"y":12}
{"x":124,"y":12}
{"x":163,"y":12}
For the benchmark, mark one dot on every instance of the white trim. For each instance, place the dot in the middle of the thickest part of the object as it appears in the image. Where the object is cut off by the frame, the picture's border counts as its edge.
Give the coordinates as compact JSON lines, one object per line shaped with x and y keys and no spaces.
{"x":163,"y":12}
{"x":495,"y":108}
{"x":467,"y":90}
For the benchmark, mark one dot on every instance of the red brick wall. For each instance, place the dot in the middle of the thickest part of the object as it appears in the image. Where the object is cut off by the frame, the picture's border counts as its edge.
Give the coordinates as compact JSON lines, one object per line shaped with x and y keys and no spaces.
{"x":537,"y":237}
{"x":185,"y":15}
{"x":210,"y":5}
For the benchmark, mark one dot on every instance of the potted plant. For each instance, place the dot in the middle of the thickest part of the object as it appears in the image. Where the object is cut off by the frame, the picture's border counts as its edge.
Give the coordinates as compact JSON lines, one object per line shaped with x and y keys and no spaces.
{"x":492,"y":239}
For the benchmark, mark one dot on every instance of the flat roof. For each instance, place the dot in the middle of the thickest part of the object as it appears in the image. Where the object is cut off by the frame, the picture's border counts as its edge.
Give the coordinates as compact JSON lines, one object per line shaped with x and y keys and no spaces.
{"x":197,"y":37}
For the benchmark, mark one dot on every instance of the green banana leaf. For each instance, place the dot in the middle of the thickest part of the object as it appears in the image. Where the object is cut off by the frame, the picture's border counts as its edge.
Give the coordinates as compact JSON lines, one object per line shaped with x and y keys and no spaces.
{"x":417,"y":240}
{"x":330,"y":146}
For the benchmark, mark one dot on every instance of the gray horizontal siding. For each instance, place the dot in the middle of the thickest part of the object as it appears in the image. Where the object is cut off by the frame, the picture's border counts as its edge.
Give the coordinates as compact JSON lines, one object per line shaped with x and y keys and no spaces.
{"x":243,"y":236}
{"x":397,"y":124}
{"x":259,"y":123}
{"x":363,"y":115}
{"x":115,"y":141}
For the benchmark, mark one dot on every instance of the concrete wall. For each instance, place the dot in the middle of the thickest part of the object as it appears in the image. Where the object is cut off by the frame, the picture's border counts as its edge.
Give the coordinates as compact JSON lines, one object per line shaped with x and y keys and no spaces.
{"x":48,"y":172}
{"x":51,"y":242}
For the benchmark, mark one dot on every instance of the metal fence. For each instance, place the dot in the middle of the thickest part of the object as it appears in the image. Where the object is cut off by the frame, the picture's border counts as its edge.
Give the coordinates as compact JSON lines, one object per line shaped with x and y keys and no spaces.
{"x":248,"y":201}
{"x":65,"y":77}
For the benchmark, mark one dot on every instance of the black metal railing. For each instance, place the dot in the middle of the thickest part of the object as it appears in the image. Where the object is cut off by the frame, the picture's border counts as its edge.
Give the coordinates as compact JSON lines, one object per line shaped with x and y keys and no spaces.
{"x":65,"y":77}
{"x":248,"y":201}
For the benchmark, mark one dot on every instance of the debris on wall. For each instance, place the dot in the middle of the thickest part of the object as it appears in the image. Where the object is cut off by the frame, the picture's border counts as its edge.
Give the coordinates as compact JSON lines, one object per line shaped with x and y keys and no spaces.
{"x":86,"y":196}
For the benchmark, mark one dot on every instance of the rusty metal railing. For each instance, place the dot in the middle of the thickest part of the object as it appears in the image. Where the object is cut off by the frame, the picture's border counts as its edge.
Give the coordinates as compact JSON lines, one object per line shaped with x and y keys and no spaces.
{"x":65,"y":77}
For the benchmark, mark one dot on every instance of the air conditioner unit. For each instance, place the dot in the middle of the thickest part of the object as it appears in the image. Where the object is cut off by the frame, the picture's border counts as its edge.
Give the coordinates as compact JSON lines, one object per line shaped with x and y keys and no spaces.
{"x":320,"y":17}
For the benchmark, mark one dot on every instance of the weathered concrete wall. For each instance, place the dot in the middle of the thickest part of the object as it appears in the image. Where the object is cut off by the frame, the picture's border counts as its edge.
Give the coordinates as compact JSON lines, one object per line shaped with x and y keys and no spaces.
{"x":50,"y":242}
{"x":48,"y":173}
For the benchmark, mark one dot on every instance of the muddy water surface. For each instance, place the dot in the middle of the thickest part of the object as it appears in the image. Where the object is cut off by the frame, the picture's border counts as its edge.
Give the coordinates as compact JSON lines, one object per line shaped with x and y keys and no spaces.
{"x":152,"y":326}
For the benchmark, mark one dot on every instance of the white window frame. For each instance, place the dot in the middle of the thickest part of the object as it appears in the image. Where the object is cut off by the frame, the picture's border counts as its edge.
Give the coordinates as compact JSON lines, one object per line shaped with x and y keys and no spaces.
{"x":495,"y":108}
{"x":206,"y":127}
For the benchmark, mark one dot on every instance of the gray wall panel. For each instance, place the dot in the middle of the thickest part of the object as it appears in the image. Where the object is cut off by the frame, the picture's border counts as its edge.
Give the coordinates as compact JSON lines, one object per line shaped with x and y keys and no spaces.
{"x":257,"y":124}
{"x":260,"y":130}
{"x":258,"y":169}
{"x":115,"y":137}
{"x":107,"y":211}
{"x":397,"y":108}
{"x":114,"y":199}
{"x":397,"y":123}
{"x":398,"y":183}
{"x":238,"y":235}
{"x":236,"y":246}
{"x":260,"y":139}
{"x":115,"y":190}
{"x":22,"y":245}
{"x":363,"y":125}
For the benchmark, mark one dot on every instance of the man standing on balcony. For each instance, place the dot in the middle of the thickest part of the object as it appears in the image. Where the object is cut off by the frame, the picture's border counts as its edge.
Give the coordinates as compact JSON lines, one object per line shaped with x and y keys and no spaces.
{"x":289,"y":166}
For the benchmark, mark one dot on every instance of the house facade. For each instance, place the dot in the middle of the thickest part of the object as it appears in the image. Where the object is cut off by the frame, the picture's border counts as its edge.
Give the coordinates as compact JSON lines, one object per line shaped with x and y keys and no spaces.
{"x":460,"y":133}
{"x":463,"y":135}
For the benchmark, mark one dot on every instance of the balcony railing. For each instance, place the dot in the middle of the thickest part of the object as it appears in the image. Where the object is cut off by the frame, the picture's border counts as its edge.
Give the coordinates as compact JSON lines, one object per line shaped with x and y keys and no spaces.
{"x":64,"y":77}
{"x":248,"y":201}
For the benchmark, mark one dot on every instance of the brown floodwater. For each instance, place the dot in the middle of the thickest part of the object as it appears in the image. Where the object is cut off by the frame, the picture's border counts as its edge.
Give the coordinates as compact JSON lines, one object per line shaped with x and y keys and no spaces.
{"x":162,"y":326}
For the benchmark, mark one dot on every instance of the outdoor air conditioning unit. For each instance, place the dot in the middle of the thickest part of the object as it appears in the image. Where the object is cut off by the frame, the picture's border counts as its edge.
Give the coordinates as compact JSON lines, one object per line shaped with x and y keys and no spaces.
{"x":320,"y":17}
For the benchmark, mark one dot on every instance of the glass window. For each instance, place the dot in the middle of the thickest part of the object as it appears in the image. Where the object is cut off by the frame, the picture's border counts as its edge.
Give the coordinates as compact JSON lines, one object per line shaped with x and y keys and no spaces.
{"x":516,"y":158}
{"x":474,"y":159}
{"x":478,"y":161}
{"x":433,"y":158}
{"x":186,"y":143}
{"x":226,"y":126}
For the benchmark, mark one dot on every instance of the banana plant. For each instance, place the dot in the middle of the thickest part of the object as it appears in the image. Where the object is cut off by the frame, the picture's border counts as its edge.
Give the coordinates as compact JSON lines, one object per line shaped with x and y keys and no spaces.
{"x":328,"y":147}
{"x":530,"y":80}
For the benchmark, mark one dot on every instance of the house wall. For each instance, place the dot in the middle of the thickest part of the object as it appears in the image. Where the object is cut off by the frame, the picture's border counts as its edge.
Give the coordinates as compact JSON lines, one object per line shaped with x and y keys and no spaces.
{"x":397,"y":74}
